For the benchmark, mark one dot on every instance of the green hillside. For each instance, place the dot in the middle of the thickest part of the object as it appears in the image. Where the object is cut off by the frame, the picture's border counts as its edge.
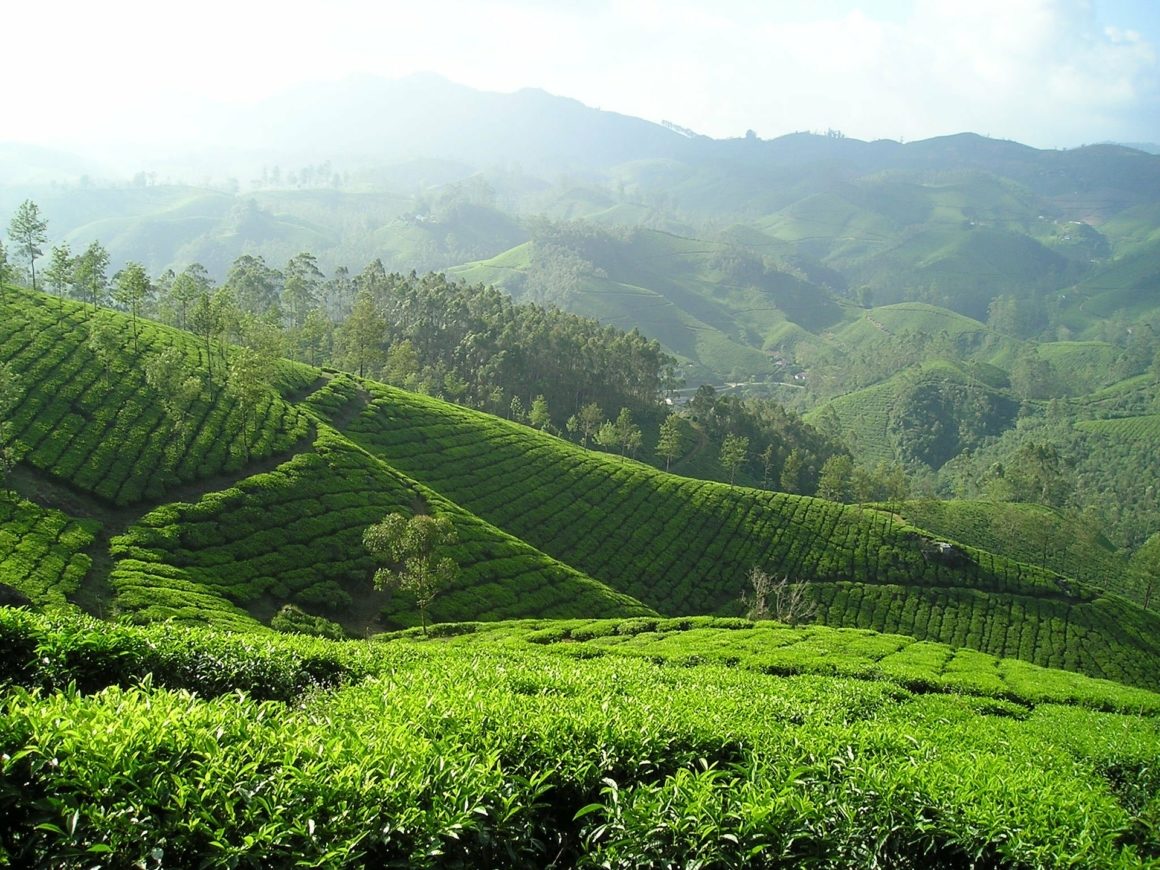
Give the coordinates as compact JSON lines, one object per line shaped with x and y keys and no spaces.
{"x":709,"y":303}
{"x":1033,"y":534}
{"x":275,"y":520}
{"x":103,"y":429}
{"x":684,"y":546}
{"x":226,"y":523}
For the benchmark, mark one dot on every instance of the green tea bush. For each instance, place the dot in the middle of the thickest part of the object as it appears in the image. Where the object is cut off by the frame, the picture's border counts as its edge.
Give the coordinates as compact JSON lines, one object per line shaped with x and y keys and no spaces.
{"x":685,"y":546}
{"x":465,"y":751}
{"x":53,"y":652}
{"x":42,"y":550}
{"x":107,"y":433}
{"x":297,"y":531}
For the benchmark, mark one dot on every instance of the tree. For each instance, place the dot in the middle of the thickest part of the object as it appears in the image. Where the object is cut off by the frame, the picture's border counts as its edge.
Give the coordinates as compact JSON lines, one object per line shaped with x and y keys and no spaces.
{"x":359,"y":338}
{"x":768,"y":457}
{"x":587,"y":422}
{"x":6,"y":268}
{"x":734,"y":450}
{"x":28,"y":231}
{"x":628,"y":434}
{"x":177,"y":387}
{"x":132,"y":289}
{"x":193,"y":282}
{"x":767,"y":598}
{"x":795,"y":469}
{"x":410,"y":551}
{"x":248,"y":381}
{"x":885,"y":482}
{"x":256,"y":287}
{"x":1146,"y":564}
{"x":300,"y":291}
{"x":402,"y":366}
{"x":1039,"y":474}
{"x":539,"y":416}
{"x":205,"y":321}
{"x":91,"y":279}
{"x":606,"y":436}
{"x":104,"y":343}
{"x":669,"y":444}
{"x":61,"y":271}
{"x":836,"y":482}
{"x":313,"y":339}
{"x":517,"y":410}
{"x":1033,"y":377}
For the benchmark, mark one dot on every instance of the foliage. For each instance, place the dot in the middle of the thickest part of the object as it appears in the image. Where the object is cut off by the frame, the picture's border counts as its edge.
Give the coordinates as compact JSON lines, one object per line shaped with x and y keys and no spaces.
{"x":132,"y":291}
{"x":42,"y":551}
{"x":10,"y":449}
{"x":933,"y":419}
{"x":295,"y":533}
{"x":99,"y":432}
{"x":1146,"y":564}
{"x":476,"y":336}
{"x":1062,"y":541}
{"x":485,"y":751}
{"x":669,"y":443}
{"x":295,"y":620}
{"x":411,"y":552}
{"x":28,"y":231}
{"x":679,"y":545}
{"x":734,"y":451}
{"x":774,"y":432}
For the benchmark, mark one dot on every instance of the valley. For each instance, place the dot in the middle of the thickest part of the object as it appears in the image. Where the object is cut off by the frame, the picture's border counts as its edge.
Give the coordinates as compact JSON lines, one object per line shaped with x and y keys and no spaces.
{"x":801,"y":494}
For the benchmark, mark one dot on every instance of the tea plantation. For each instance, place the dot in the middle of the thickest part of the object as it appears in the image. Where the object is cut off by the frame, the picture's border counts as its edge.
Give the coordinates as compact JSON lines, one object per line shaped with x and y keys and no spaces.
{"x":683,"y":546}
{"x":167,"y":510}
{"x":638,"y":743}
{"x":185,"y":732}
{"x":97,"y":424}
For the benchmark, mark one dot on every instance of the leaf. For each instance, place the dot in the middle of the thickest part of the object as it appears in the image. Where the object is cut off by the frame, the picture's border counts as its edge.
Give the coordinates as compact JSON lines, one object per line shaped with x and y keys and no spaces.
{"x":587,"y":810}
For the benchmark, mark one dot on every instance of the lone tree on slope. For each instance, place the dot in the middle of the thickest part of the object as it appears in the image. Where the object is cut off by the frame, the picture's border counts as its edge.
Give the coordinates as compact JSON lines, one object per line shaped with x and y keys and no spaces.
{"x":410,"y":550}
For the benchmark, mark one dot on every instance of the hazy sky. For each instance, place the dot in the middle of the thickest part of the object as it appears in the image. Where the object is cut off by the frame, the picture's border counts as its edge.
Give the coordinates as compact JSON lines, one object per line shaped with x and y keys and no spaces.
{"x":1046,"y":72}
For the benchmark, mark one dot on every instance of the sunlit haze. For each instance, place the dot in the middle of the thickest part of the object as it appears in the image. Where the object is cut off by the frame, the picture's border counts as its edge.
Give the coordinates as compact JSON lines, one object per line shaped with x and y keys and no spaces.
{"x":1051,"y":73}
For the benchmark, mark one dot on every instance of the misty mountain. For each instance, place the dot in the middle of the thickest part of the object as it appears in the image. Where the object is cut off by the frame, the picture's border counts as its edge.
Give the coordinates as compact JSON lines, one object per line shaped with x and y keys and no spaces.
{"x":370,"y":119}
{"x":746,"y":247}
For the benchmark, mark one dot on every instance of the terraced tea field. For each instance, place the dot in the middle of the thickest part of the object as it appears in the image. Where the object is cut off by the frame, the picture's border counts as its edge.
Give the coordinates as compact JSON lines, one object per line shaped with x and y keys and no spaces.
{"x":684,"y":546}
{"x":545,"y":528}
{"x":591,"y":744}
{"x":104,"y":430}
{"x":295,"y":534}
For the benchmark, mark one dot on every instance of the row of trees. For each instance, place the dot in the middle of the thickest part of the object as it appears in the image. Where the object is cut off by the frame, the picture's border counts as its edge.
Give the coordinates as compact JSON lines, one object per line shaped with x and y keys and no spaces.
{"x":466,"y":343}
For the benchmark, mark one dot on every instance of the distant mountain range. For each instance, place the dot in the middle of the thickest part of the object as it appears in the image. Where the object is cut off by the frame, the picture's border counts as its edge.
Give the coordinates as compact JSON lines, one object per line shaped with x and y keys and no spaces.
{"x":727,"y":250}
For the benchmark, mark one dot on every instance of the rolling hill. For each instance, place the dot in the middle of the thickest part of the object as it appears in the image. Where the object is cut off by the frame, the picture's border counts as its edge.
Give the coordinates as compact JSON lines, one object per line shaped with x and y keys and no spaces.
{"x":218,"y":522}
{"x":741,"y":247}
